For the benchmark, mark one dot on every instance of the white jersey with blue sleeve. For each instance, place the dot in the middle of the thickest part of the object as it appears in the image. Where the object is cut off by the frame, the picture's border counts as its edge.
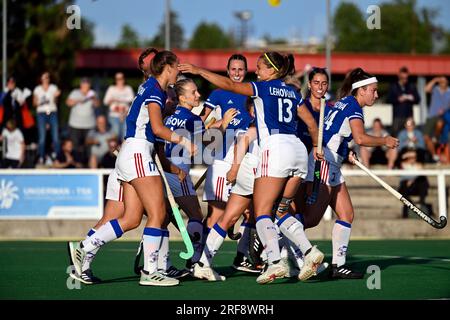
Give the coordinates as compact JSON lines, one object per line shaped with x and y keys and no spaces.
{"x":337,"y":132}
{"x":276,"y":108}
{"x":138,"y":121}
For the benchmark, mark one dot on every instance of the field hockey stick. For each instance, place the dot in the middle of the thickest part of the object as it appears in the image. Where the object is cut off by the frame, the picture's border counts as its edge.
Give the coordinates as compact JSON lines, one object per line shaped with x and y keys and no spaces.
{"x":316,"y":182}
{"x":233,"y":236}
{"x":203,"y":176}
{"x":176,"y":212}
{"x":406,"y":202}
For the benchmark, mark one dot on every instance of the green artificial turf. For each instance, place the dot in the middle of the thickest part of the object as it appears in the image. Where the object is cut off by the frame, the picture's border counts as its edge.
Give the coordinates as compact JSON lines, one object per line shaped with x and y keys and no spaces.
{"x":410,"y":269}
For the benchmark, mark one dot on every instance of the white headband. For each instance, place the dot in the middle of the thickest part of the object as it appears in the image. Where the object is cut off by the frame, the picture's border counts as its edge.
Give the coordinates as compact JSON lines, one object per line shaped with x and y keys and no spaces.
{"x":363,"y":83}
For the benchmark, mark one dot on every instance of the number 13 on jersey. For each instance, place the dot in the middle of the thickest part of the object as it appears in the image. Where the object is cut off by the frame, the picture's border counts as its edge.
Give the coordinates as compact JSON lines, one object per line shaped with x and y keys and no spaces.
{"x":284,"y":110}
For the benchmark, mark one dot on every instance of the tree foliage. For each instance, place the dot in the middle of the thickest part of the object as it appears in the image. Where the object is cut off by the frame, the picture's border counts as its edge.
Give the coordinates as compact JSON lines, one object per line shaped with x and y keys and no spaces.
{"x":39,"y":40}
{"x":210,"y":36}
{"x":404,"y":28}
{"x":176,"y":34}
{"x":129,"y":38}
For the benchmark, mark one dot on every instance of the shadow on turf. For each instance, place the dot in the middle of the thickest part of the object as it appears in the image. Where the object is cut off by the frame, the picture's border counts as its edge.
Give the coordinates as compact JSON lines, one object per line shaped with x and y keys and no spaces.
{"x":384,"y":263}
{"x":122,"y":279}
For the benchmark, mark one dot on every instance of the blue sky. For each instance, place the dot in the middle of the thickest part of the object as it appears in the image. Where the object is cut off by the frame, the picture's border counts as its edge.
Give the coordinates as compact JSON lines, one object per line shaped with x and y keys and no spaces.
{"x":301,"y":19}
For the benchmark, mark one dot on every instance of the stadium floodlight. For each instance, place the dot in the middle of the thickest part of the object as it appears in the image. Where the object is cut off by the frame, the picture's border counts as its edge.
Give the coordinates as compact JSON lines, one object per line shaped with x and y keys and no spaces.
{"x":243,"y":16}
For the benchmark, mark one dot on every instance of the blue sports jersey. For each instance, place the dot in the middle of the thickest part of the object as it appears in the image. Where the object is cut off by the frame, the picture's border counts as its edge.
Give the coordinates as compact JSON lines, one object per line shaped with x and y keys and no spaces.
{"x":227,"y":100}
{"x":337,"y":132}
{"x":187,"y":125}
{"x":138,"y":121}
{"x":302,"y":128}
{"x":276,"y":106}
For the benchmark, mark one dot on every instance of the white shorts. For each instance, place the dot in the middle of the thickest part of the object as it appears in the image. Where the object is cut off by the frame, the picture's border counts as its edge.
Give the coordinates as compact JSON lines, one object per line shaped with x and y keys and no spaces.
{"x":135,"y":160}
{"x":246,"y":175}
{"x":330,"y":172}
{"x":282,"y":156}
{"x":114,"y":189}
{"x":216,"y":188}
{"x":180,"y":189}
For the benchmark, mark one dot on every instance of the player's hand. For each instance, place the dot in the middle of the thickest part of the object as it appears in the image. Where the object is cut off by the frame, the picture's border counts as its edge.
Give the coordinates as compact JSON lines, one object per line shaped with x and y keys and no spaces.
{"x":232,"y":174}
{"x":317,"y":155}
{"x":352,"y":157}
{"x":191,"y":148}
{"x":391,"y":142}
{"x":181,"y":174}
{"x":188,"y":68}
{"x":229,"y":115}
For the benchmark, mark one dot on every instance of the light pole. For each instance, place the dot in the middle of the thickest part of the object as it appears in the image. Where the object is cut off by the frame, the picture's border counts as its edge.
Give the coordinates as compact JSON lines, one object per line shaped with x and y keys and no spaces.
{"x":167,"y":29}
{"x":328,"y":43}
{"x":4,"y":56}
{"x":244,"y":17}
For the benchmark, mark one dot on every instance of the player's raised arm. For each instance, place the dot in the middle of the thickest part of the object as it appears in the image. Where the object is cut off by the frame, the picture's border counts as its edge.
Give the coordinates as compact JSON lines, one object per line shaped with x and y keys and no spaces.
{"x":218,"y":80}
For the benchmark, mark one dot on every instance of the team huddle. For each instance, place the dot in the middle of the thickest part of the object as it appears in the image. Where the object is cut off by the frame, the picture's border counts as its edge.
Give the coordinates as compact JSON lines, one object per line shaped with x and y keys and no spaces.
{"x":262,"y":165}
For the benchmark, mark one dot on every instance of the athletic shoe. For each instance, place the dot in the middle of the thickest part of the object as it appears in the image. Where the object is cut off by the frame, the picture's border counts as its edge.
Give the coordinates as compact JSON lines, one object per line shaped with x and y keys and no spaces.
{"x":87,"y":277}
{"x":312,"y":261}
{"x":344,"y":272}
{"x":294,"y":271}
{"x":77,"y":255}
{"x":272,"y":272}
{"x":241,"y":263}
{"x":208,"y":273}
{"x":157,"y":279}
{"x":137,"y":260}
{"x":175,"y":273}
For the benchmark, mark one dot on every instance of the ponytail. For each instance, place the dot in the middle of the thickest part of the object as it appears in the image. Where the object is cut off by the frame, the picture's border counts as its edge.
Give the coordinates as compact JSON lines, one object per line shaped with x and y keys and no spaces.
{"x":283,"y":64}
{"x":353,"y":76}
{"x":144,"y":55}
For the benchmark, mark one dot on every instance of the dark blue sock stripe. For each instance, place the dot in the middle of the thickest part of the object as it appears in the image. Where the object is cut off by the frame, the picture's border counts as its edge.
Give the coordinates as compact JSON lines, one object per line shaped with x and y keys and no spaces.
{"x":195,"y":220}
{"x":117,"y":229}
{"x":263,"y":217}
{"x":248,"y":225}
{"x":220,"y":231}
{"x":91,"y":232}
{"x":165,"y":233}
{"x":280,"y":221}
{"x":153,"y":232}
{"x":343,"y":223}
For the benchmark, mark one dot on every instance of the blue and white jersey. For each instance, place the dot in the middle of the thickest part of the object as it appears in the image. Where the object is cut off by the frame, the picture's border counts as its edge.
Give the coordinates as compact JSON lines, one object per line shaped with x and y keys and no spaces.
{"x":138,"y":121}
{"x":302,"y":128}
{"x":337,"y":132}
{"x":186,"y":124}
{"x":276,"y":106}
{"x":227,"y":100}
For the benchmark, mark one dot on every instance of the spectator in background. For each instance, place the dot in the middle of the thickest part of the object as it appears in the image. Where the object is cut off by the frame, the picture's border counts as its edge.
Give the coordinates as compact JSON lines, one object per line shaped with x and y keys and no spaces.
{"x":403,"y":95}
{"x":13,"y":145}
{"x":118,"y":98}
{"x":413,"y":185}
{"x":97,"y":139}
{"x":12,"y":101}
{"x":439,"y":104}
{"x":381,"y":154}
{"x":412,"y":139}
{"x":45,"y":97}
{"x":67,"y":158}
{"x":109,"y":159}
{"x":82,"y":102}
